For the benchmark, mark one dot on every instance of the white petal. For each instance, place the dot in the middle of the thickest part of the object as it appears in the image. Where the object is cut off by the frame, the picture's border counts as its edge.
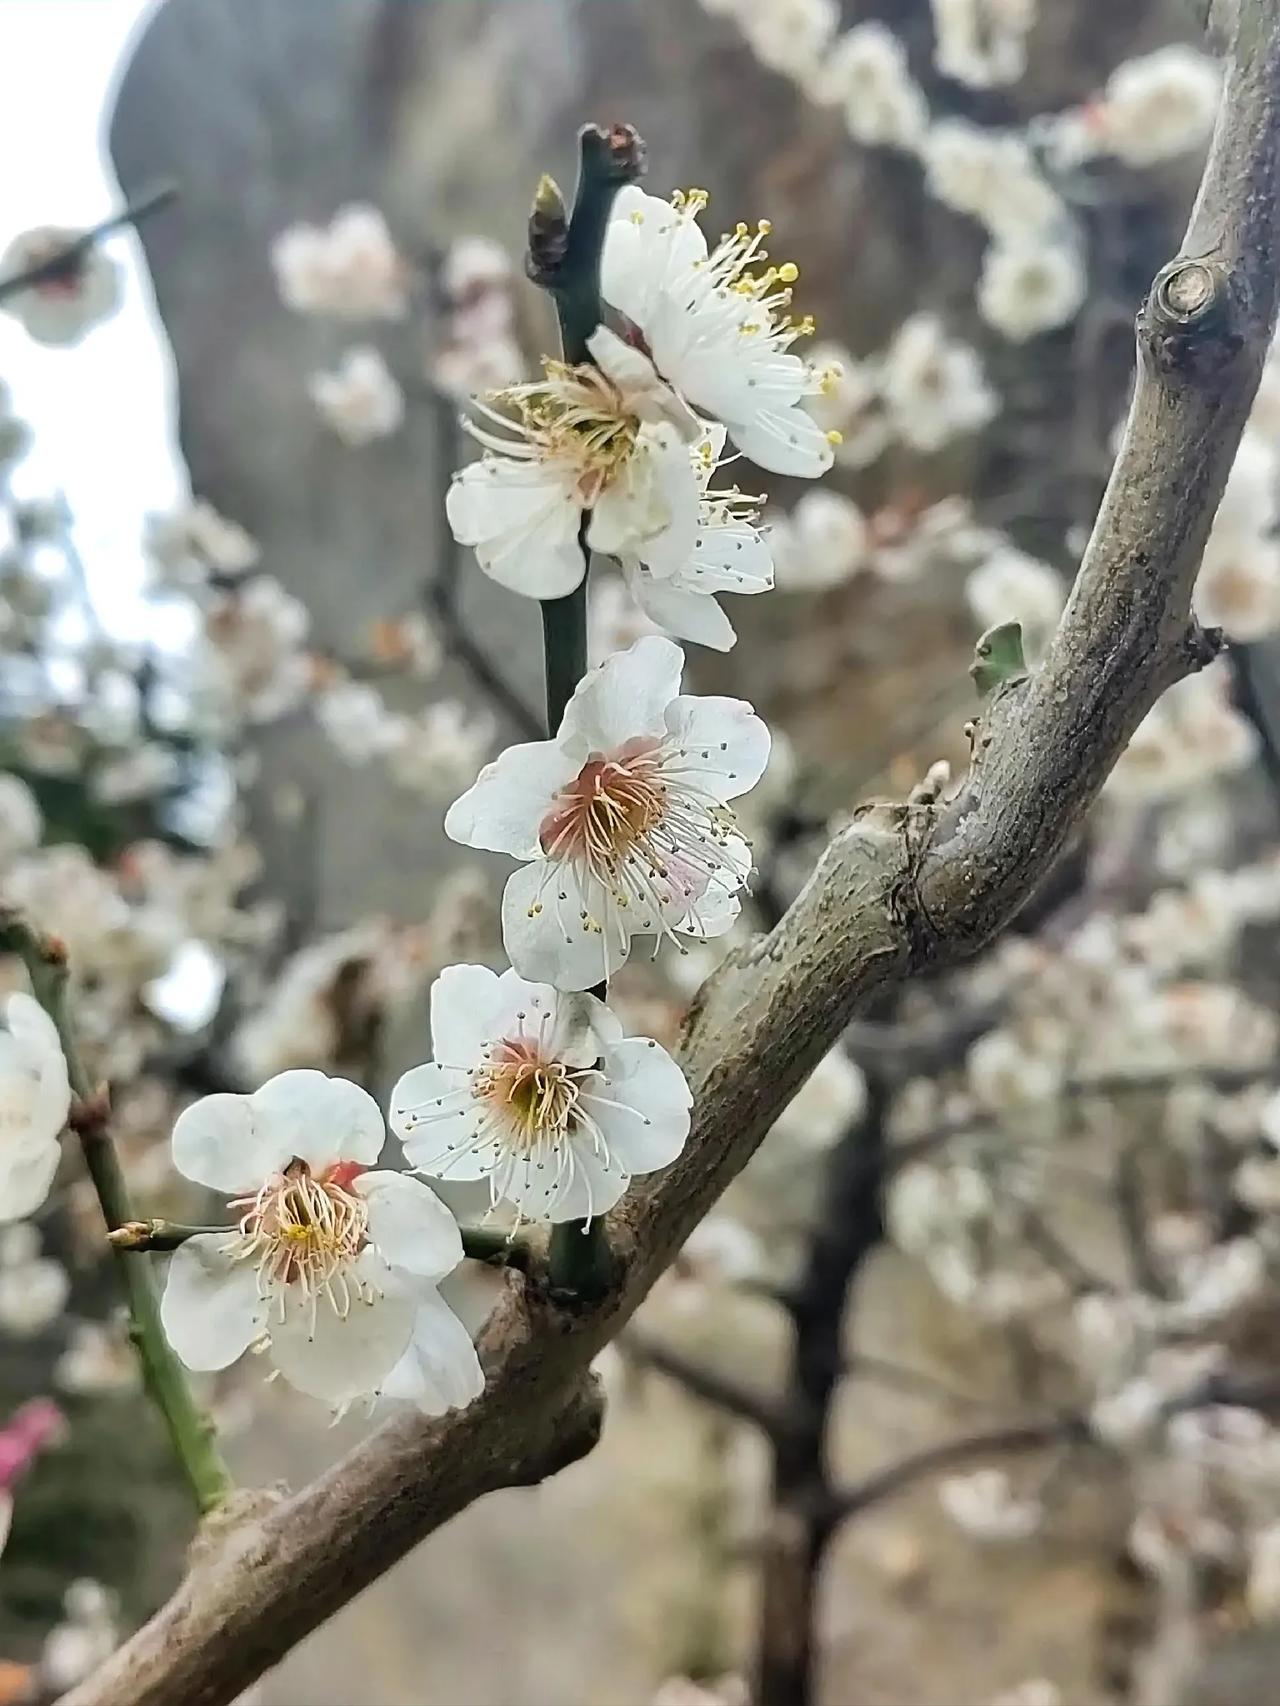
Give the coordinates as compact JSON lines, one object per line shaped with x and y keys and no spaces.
{"x":522,"y":521}
{"x":26,"y":1176}
{"x":646,"y":1119}
{"x":729,"y":557}
{"x":785,"y":441}
{"x":651,"y":505}
{"x":220,"y":1142}
{"x":686,"y":615}
{"x":723,"y":744}
{"x":440,"y":1370}
{"x":545,"y":937}
{"x":649,"y":247}
{"x":409,"y":1225}
{"x":26,"y":1020}
{"x":321,"y":1120}
{"x":210,"y":1311}
{"x":592,"y":1189}
{"x":563,"y":1021}
{"x":444,"y":1147}
{"x":340,"y":1358}
{"x":627,"y":695}
{"x":503,"y":809}
{"x":463,"y":999}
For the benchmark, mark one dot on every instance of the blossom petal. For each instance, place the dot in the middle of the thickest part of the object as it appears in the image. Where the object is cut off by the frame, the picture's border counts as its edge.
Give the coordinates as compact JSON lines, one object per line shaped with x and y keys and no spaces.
{"x":522,"y":521}
{"x":319,"y":1119}
{"x":686,"y":614}
{"x":210,"y":1311}
{"x":594,"y":1185}
{"x":626,"y":695}
{"x":220,"y":1141}
{"x":26,"y":1177}
{"x":729,"y":557}
{"x":440,"y":1369}
{"x":785,"y":441}
{"x":642,"y":1107}
{"x":648,"y":245}
{"x":462,"y":1002}
{"x":723,"y":744}
{"x":439,"y":1122}
{"x":650,"y":508}
{"x":546,"y":937}
{"x":565,"y":1023}
{"x":341,"y":1357}
{"x":503,"y":809}
{"x":409,"y":1225}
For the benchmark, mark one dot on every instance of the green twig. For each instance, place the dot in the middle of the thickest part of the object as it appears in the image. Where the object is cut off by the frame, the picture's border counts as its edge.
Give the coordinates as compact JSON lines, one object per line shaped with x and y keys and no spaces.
{"x":497,"y":1249}
{"x":142,"y":1235}
{"x":163,"y":1375}
{"x":564,"y":258}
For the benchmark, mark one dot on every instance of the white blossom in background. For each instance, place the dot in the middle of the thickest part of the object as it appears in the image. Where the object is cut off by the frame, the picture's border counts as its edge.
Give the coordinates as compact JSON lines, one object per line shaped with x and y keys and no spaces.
{"x":21,"y":820}
{"x":350,"y":268}
{"x":933,"y":386}
{"x":866,"y":75}
{"x":34,"y":1101}
{"x":993,"y":176}
{"x":821,"y":543}
{"x":1218,"y":1283}
{"x":982,"y":42}
{"x":1006,"y":1072}
{"x":850,"y":405}
{"x":360,"y":398}
{"x":333,"y":1268}
{"x":623,"y":817}
{"x":719,"y":331}
{"x":478,"y":351}
{"x":76,"y":1647}
{"x":33,"y":1288}
{"x":1035,"y":1691}
{"x":186,"y":548}
{"x":831,"y":1099}
{"x":942,"y":537}
{"x":1158,"y":105}
{"x":251,"y":665}
{"x":440,"y":749}
{"x":1013,"y":587}
{"x":541,"y":1094}
{"x":790,"y":36}
{"x":150,"y":769}
{"x":610,"y":442}
{"x":1191,"y":735}
{"x":356,"y":719}
{"x":1238,"y":586}
{"x":1028,"y":289}
{"x":984,"y":1504}
{"x":97,"y":1359}
{"x":615,"y":619}
{"x":59,"y":310}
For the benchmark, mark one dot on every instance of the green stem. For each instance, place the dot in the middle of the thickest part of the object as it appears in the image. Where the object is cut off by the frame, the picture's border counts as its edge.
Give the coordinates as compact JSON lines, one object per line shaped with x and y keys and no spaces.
{"x":498,"y":1249}
{"x":164,"y":1378}
{"x":578,"y":1257}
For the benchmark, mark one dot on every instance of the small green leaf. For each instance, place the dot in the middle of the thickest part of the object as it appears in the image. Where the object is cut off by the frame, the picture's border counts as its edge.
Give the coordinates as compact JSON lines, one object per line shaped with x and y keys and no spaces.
{"x":998,"y":658}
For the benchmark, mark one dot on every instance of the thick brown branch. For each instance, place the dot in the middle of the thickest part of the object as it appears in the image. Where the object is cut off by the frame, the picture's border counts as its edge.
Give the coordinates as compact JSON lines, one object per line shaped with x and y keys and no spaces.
{"x":895,"y":891}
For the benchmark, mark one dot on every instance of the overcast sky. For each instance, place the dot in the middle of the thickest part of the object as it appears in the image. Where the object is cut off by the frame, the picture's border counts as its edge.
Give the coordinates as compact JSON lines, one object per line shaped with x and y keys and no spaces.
{"x":101,"y":412}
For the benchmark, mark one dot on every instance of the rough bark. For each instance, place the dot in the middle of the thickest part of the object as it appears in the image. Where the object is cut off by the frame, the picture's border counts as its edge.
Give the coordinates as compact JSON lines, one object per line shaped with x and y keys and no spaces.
{"x":899,"y":889}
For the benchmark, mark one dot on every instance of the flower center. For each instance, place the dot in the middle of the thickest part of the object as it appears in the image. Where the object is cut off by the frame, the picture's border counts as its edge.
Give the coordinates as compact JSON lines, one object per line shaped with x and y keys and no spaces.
{"x":304,"y":1231}
{"x":532,"y":1098}
{"x":609,"y":809}
{"x":574,"y":416}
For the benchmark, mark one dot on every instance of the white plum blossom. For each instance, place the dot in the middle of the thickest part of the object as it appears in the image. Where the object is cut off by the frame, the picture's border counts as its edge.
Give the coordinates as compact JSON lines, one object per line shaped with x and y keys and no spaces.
{"x":251,"y":666}
{"x":984,"y":1505}
{"x":1159,"y":105}
{"x":1026,"y":289}
{"x":866,"y":75}
{"x":440,"y":750}
{"x":333,"y":1268}
{"x":1191,"y":734}
{"x":791,"y":36}
{"x":33,"y":1288}
{"x":933,"y":386}
{"x":349,"y":268}
{"x":992,"y":176}
{"x":61,"y":308}
{"x":1262,"y":1590}
{"x":609,"y":442}
{"x":718,"y":330}
{"x":540,"y":1093}
{"x":360,"y":399}
{"x":356,"y":719}
{"x":728,"y":554}
{"x":34,"y":1100}
{"x":982,"y":42}
{"x":623,"y":817}
{"x":850,"y":405}
{"x":195,"y":543}
{"x":822,"y":543}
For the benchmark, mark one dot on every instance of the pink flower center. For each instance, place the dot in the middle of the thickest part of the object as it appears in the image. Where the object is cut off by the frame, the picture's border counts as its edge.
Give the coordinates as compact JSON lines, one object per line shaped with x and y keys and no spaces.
{"x":610,"y":809}
{"x":533,"y":1097}
{"x":305,"y":1231}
